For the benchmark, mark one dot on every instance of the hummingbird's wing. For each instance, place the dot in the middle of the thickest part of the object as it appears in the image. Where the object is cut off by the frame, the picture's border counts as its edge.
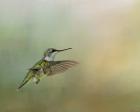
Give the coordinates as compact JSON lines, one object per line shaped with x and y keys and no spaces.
{"x":60,"y":66}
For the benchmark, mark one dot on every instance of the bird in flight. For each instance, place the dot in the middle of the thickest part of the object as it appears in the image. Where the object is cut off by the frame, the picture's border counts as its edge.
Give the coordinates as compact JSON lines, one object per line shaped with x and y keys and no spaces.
{"x":47,"y":67}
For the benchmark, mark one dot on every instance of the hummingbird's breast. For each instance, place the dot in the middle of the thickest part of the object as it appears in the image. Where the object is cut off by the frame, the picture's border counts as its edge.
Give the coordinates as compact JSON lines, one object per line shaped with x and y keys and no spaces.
{"x":41,"y":68}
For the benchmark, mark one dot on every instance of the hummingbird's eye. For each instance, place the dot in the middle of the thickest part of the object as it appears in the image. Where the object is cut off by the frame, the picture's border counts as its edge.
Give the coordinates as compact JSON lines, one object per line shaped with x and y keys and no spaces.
{"x":50,"y":50}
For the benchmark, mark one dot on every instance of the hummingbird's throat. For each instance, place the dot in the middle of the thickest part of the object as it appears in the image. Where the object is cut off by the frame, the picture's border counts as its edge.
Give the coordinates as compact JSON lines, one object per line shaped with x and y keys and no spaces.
{"x":50,"y":57}
{"x":47,"y":58}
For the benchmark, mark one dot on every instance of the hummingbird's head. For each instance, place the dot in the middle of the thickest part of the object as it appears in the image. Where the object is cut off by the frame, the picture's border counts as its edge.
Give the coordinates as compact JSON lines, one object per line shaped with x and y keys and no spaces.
{"x":50,"y":53}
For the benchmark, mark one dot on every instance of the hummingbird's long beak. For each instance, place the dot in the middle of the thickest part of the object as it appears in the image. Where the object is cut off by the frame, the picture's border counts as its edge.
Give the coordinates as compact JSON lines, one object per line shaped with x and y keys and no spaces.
{"x":63,"y":49}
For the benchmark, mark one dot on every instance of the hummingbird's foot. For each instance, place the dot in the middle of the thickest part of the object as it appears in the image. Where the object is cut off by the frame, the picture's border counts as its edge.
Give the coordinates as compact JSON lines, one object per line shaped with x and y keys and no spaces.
{"x":38,"y":80}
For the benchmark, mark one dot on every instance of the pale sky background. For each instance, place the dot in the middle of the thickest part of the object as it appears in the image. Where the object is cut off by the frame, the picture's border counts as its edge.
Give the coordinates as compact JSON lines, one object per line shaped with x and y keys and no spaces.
{"x":82,"y":9}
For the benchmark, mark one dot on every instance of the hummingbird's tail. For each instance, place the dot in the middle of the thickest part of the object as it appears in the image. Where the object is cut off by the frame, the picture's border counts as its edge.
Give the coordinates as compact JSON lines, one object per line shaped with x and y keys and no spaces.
{"x":22,"y":84}
{"x":26,"y":80}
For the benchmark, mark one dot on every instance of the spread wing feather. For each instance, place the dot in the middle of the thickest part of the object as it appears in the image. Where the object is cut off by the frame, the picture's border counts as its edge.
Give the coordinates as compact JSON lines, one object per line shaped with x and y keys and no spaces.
{"x":60,"y":66}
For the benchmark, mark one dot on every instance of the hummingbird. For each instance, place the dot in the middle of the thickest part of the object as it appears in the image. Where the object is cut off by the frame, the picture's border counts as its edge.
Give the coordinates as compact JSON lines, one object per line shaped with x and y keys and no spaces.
{"x":46,"y":66}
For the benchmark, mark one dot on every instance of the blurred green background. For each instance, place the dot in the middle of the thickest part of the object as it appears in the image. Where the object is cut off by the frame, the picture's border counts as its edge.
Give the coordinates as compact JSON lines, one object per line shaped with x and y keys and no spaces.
{"x":105,"y":37}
